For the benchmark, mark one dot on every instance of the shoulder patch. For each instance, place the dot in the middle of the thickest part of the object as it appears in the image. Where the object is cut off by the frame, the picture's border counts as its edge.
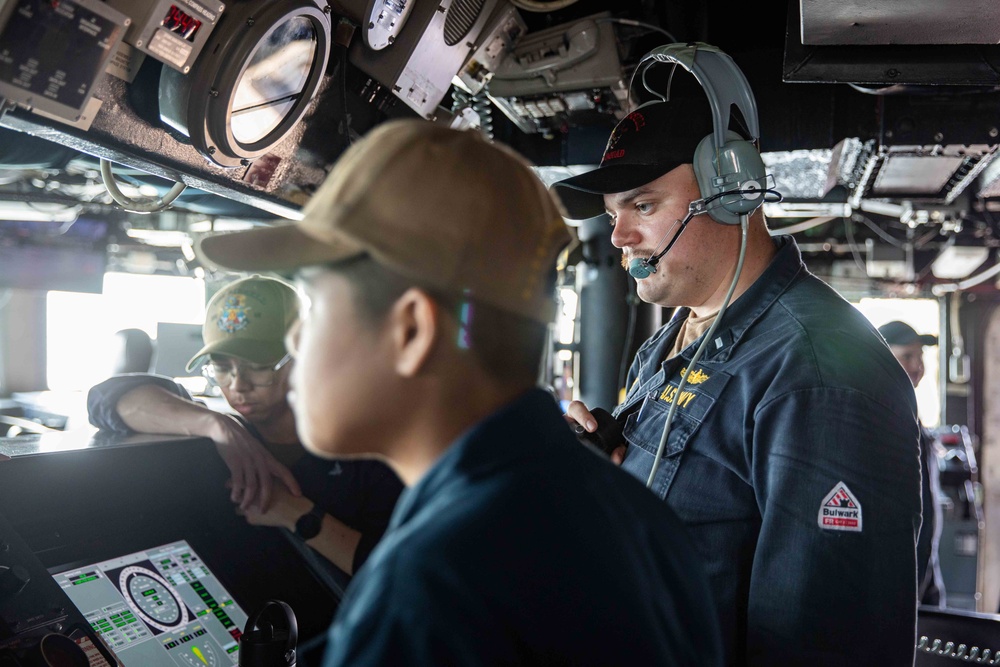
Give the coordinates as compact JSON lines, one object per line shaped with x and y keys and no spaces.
{"x":840,"y":510}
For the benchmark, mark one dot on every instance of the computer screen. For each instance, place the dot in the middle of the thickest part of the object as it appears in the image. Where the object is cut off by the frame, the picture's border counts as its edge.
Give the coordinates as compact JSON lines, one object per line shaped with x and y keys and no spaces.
{"x":160,"y":607}
{"x":176,"y":343}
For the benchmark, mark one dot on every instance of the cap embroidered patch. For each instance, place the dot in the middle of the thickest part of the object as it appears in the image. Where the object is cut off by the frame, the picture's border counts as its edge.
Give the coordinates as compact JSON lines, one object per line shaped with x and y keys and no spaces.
{"x":638,"y":122}
{"x":840,"y":510}
{"x":234,"y":314}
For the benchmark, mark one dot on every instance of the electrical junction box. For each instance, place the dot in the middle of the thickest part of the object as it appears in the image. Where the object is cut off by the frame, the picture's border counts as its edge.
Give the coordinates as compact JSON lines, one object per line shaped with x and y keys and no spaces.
{"x":172,"y":31}
{"x":432,"y":46}
{"x":497,"y":40}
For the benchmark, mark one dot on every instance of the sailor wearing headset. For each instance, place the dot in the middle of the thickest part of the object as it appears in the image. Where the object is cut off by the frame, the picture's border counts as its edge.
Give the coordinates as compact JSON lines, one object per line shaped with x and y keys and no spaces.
{"x":786,"y":430}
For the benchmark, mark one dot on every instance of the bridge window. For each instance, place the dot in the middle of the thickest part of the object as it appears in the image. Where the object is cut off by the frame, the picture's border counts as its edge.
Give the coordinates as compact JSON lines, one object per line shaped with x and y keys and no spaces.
{"x":80,"y":327}
{"x":923,"y":315}
{"x":564,"y":369}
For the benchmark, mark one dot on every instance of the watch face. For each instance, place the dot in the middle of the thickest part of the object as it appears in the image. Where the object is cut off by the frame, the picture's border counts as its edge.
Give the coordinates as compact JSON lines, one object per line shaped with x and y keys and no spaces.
{"x":307,"y":527}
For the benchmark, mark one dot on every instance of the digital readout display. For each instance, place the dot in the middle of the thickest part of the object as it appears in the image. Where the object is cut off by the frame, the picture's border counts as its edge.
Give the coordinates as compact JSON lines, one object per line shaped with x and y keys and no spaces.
{"x":180,"y":23}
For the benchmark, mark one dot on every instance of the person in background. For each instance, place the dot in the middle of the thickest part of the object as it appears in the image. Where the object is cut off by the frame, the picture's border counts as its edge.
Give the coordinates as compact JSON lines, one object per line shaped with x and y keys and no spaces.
{"x":430,"y":306}
{"x":908,"y":348}
{"x":340,"y":508}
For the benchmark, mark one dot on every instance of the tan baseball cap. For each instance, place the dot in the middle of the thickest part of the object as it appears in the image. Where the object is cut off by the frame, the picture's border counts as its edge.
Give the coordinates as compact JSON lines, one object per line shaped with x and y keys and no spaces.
{"x":441,"y":206}
{"x":248,"y":319}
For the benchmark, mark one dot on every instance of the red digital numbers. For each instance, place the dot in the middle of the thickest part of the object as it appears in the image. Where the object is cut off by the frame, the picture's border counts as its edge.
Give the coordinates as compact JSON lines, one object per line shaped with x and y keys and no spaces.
{"x":180,"y":23}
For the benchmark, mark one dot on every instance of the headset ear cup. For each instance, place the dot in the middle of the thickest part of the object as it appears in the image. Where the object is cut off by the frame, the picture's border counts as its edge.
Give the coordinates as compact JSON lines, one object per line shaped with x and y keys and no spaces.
{"x":739,"y":166}
{"x":742,"y":167}
{"x":704,"y":166}
{"x":705,"y":170}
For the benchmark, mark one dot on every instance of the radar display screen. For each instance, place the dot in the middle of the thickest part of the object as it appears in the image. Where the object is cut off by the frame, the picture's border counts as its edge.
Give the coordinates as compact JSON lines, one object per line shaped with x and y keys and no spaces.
{"x":160,"y":607}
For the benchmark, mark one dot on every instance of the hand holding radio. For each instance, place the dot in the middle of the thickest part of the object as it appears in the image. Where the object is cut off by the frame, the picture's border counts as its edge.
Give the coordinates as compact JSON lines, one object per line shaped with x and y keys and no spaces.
{"x":599,"y":428}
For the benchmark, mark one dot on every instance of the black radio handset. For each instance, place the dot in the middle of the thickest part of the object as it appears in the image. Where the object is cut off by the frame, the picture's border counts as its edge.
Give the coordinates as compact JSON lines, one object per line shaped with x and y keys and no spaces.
{"x":608,"y":437}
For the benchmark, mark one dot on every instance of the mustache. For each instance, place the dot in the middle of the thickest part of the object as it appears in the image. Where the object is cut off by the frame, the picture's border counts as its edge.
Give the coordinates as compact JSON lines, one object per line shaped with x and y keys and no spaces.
{"x":629,"y":255}
{"x":663,"y":245}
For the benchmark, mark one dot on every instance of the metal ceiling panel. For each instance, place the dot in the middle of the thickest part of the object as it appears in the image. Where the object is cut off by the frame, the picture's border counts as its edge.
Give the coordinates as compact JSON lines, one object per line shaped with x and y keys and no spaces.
{"x":885,"y":22}
{"x":923,"y":172}
{"x":884,"y":64}
{"x":914,"y":175}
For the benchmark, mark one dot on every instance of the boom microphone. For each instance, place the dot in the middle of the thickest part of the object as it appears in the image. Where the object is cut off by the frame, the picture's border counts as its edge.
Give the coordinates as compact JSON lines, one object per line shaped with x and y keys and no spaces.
{"x":641,"y":269}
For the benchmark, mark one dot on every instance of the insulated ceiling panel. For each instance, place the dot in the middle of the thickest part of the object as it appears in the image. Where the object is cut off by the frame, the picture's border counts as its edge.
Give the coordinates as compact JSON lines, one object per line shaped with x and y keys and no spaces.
{"x":801,"y":174}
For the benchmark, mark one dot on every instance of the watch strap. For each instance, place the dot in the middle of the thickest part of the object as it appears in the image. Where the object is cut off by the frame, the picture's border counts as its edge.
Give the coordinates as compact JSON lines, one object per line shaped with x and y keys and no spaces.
{"x":309,"y":524}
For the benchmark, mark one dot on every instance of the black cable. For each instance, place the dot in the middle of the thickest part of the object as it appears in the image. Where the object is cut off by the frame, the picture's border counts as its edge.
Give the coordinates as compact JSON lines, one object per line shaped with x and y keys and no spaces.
{"x":777,"y":196}
{"x":769,"y":195}
{"x":654,"y":259}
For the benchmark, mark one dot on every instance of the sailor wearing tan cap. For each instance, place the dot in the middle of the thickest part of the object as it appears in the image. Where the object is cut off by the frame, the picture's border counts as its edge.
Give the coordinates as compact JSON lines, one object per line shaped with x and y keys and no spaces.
{"x":340,"y":509}
{"x":428,"y":259}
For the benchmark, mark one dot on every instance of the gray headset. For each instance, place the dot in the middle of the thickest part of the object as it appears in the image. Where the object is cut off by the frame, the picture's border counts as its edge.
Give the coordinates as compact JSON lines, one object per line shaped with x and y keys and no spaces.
{"x":728,"y":167}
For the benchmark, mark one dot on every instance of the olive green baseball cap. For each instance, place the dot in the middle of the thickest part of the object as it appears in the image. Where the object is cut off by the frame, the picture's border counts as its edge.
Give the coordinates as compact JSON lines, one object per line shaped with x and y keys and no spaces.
{"x":444,"y":207}
{"x":248,"y":319}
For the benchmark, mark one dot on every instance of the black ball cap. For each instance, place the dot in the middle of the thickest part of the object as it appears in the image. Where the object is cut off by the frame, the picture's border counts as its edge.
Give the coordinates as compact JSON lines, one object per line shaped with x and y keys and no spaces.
{"x":649,"y":142}
{"x":901,"y":333}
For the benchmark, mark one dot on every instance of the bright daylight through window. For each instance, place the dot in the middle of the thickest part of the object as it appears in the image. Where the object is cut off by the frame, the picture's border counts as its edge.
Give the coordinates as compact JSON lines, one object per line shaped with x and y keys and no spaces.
{"x":81,"y":327}
{"x":923,"y":315}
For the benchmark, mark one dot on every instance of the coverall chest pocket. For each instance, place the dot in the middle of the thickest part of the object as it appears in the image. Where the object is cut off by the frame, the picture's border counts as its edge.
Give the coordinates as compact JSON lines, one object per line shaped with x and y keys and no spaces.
{"x":643,"y":431}
{"x":644,"y":427}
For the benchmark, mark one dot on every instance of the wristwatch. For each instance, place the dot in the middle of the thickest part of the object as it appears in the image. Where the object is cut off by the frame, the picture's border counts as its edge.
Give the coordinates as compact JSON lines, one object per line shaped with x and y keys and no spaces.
{"x":308,"y":525}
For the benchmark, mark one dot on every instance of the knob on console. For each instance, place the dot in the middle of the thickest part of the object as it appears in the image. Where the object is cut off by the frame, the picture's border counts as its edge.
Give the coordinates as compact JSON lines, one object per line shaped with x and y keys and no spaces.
{"x":59,"y":651}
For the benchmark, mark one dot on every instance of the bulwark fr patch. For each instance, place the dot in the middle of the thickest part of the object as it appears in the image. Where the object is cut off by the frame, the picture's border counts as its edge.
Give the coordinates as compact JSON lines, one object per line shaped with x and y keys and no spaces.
{"x":840,"y":510}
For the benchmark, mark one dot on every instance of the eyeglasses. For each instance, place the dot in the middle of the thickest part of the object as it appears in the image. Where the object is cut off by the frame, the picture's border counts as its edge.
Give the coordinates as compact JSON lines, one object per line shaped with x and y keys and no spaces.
{"x":222,"y":373}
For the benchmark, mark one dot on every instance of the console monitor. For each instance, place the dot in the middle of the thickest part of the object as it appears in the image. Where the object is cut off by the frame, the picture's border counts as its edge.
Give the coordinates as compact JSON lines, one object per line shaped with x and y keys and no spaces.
{"x":176,"y":343}
{"x":161,"y":607}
